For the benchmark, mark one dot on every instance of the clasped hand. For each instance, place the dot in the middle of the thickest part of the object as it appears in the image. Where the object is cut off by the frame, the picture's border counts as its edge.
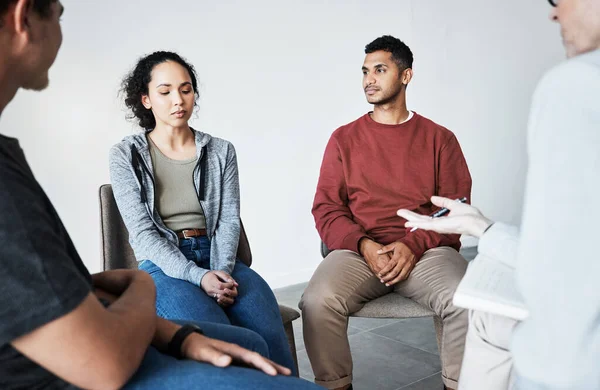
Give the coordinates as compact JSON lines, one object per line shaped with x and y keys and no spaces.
{"x":391,"y":263}
{"x":221,"y":286}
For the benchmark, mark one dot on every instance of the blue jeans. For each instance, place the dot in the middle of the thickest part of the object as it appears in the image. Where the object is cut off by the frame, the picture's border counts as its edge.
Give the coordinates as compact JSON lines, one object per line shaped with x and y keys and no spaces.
{"x":160,"y":371}
{"x":255,"y":307}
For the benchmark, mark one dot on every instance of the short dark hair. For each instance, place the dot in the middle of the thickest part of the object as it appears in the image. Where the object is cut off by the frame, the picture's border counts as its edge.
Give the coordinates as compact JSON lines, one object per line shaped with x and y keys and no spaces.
{"x":42,"y":7}
{"x":401,"y":53}
{"x":135,"y":85}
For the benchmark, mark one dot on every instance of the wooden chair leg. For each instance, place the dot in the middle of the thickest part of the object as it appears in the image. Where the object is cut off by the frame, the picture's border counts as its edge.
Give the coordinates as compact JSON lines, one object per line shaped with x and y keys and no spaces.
{"x":289,"y":332}
{"x":439,"y":326}
{"x":288,"y":315}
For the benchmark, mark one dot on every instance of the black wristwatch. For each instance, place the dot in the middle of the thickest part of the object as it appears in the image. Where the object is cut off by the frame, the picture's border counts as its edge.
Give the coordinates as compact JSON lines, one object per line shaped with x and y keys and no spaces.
{"x":174,"y":347}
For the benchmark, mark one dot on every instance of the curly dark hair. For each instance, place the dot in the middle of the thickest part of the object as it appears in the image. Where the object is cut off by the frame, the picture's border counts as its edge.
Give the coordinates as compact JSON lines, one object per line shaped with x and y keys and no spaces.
{"x":401,"y":53}
{"x":42,"y":7}
{"x":135,"y":85}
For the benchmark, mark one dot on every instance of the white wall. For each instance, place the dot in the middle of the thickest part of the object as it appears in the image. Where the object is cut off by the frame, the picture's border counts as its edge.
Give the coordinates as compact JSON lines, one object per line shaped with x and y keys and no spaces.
{"x":277,"y":78}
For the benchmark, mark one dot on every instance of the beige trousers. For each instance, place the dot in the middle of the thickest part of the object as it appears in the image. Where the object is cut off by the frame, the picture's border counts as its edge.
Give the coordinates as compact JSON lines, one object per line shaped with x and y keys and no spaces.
{"x":487,"y":362}
{"x":343,"y":283}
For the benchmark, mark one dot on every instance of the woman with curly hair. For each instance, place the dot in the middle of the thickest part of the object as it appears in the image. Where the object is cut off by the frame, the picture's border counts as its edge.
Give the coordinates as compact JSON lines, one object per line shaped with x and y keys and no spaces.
{"x":178,"y":192}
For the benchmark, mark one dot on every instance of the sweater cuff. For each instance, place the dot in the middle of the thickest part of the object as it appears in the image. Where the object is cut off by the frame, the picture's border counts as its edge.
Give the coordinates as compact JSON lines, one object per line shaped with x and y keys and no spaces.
{"x":351,"y":241}
{"x":196,"y":274}
{"x":228,"y":268}
{"x":413,"y":244}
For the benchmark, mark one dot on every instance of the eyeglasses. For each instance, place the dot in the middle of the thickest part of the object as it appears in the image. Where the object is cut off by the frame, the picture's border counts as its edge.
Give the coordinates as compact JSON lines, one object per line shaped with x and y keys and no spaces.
{"x":553,"y":3}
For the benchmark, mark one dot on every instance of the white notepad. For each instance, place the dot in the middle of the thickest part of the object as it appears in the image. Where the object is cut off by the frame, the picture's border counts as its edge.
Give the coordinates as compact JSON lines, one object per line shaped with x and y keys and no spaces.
{"x":489,"y":285}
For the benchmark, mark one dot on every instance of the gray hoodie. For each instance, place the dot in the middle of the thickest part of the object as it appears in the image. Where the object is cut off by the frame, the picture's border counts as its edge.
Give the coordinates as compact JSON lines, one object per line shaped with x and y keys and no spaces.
{"x":217,"y":184}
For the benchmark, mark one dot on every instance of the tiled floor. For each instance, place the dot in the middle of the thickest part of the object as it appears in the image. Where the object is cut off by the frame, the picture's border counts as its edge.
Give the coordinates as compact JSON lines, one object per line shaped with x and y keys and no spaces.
{"x":388,"y":354}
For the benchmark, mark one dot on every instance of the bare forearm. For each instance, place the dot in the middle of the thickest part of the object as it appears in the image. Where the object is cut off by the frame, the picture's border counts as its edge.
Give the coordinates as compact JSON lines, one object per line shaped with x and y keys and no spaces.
{"x":129,"y":291}
{"x":164,"y":329}
{"x":132,"y":298}
{"x":116,"y":281}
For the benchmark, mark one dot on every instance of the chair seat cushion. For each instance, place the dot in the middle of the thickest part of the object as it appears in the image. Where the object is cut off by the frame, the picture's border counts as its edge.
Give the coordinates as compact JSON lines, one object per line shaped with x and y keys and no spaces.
{"x":393,"y":305}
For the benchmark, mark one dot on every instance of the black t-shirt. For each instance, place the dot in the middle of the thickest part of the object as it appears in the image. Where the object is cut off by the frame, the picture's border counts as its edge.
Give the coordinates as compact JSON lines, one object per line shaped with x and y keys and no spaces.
{"x":41,"y":275}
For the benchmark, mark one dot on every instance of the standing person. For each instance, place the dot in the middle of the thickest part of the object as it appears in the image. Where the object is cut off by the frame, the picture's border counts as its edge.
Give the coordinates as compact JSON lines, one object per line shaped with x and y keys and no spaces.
{"x":558,"y":345}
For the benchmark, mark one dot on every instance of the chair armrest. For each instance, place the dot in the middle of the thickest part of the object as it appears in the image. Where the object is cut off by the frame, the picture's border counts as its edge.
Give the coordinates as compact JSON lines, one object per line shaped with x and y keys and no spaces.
{"x":288,"y":314}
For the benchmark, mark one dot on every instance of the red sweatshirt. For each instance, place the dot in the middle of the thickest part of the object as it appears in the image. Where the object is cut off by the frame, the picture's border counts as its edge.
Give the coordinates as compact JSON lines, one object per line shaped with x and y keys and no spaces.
{"x":371,"y":170}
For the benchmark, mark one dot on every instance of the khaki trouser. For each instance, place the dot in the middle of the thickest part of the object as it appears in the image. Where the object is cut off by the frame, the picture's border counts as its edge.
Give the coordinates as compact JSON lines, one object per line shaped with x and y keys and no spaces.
{"x":488,"y":361}
{"x":343,"y":283}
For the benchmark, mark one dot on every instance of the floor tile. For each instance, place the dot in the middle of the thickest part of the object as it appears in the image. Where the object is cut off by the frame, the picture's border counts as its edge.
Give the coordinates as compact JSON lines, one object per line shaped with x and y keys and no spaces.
{"x":290,"y":296}
{"x":434,"y":382}
{"x":416,"y":332}
{"x":363,"y":323}
{"x":469,"y":253}
{"x":380,"y":363}
{"x":304,"y":367}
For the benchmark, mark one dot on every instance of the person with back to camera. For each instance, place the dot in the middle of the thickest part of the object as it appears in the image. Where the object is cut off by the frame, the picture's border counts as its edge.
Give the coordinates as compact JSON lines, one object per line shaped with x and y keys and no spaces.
{"x":557,"y":347}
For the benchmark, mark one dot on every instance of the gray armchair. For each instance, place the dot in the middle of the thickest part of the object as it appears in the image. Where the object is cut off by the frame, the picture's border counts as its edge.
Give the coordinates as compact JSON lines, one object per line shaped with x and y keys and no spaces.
{"x":394,"y":305}
{"x":117,"y":253}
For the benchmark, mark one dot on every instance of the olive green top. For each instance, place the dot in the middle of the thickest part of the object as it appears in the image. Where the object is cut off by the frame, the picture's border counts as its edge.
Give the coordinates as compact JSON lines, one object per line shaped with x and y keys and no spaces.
{"x":176,"y":198}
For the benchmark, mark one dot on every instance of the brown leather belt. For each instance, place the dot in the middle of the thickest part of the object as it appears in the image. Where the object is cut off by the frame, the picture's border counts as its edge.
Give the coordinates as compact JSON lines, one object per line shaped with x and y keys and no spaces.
{"x":189,"y":233}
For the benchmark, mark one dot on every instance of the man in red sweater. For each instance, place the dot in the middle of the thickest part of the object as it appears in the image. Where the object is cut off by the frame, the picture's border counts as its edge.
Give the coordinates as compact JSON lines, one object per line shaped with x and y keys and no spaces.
{"x":388,"y":159}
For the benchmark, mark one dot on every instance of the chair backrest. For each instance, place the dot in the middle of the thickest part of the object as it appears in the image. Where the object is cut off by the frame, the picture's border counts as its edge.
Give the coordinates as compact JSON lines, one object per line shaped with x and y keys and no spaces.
{"x":324,"y":250}
{"x":114,"y":238}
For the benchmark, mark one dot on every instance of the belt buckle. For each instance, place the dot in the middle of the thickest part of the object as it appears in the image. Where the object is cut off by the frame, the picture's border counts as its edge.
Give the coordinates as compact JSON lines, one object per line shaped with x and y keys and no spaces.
{"x":184,"y":232}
